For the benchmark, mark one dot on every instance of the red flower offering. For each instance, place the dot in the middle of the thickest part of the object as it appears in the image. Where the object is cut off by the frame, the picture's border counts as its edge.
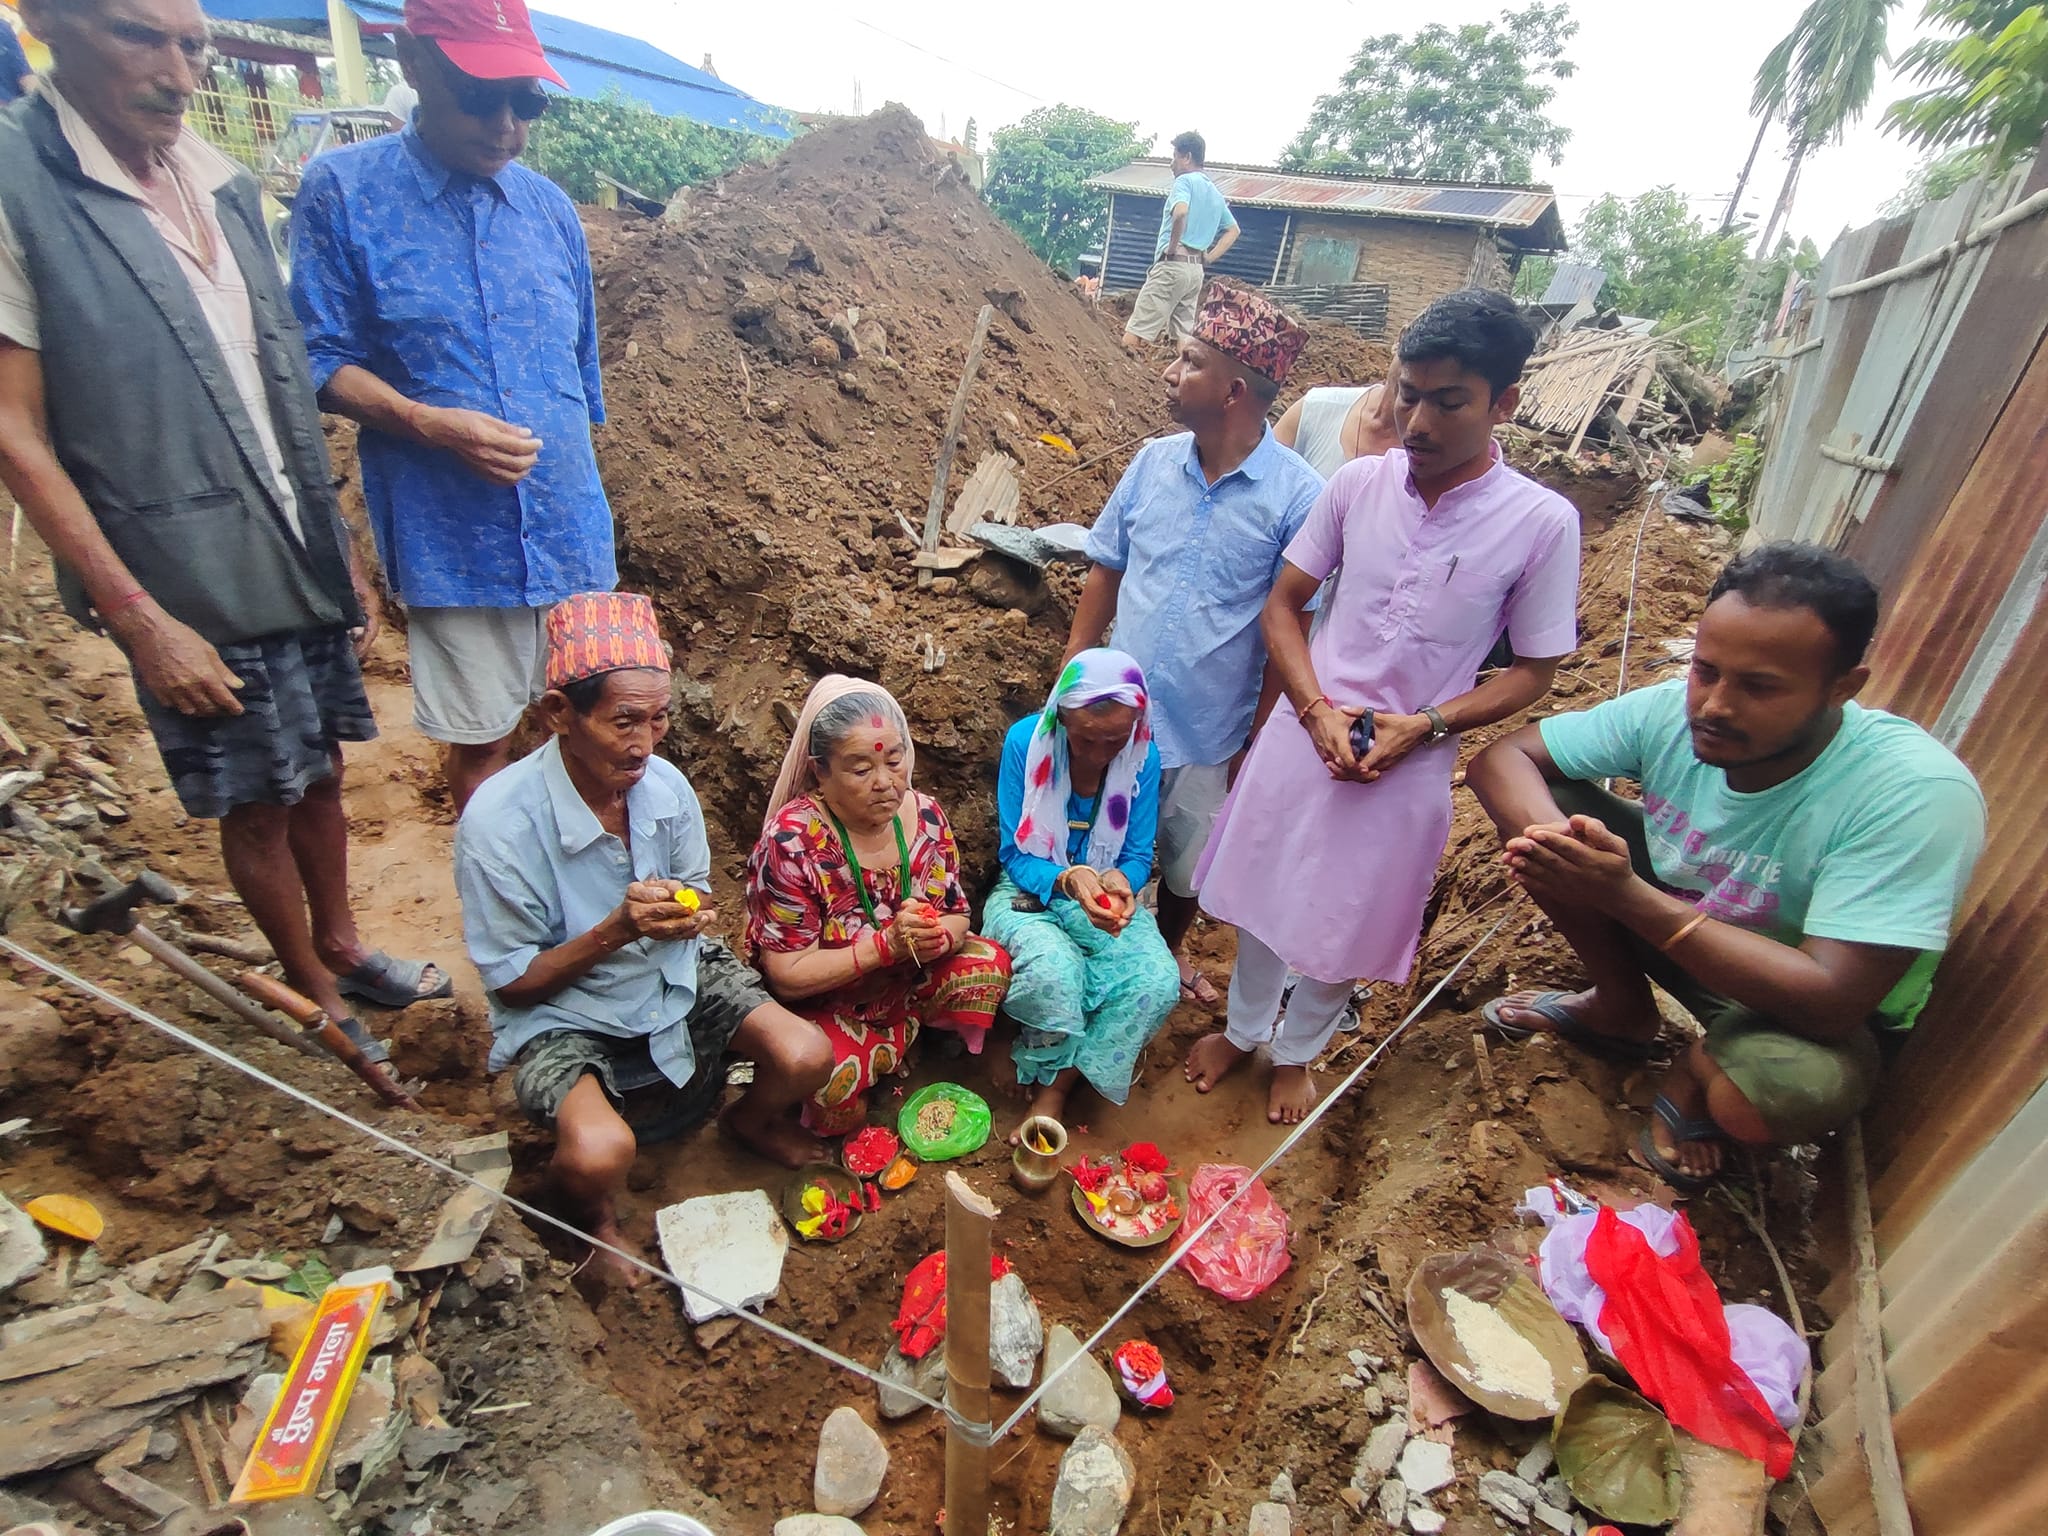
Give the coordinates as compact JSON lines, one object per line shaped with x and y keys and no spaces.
{"x":1091,"y":1176}
{"x":1144,"y":1157}
{"x":869,"y":1150}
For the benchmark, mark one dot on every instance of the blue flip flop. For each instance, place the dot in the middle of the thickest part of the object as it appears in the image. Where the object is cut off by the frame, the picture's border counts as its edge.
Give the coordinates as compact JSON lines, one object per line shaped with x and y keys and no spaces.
{"x":1682,"y":1130}
{"x":1568,"y":1028}
{"x":391,"y":983}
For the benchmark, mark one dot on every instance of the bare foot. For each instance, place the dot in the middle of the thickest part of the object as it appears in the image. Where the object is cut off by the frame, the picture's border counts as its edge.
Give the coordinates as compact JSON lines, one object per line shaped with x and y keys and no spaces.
{"x":607,"y":1271}
{"x":1292,"y":1095}
{"x":775,"y":1137}
{"x":1050,"y":1101}
{"x":1212,"y":1059}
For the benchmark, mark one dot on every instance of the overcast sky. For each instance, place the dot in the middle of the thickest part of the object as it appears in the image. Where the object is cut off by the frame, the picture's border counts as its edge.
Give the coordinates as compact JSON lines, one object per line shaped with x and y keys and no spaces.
{"x":1661,"y":94}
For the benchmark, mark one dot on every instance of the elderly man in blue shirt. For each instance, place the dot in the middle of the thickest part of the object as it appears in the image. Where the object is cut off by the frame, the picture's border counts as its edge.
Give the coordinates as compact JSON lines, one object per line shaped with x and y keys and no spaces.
{"x":1184,"y":554}
{"x":446,"y":296}
{"x":585,"y":880}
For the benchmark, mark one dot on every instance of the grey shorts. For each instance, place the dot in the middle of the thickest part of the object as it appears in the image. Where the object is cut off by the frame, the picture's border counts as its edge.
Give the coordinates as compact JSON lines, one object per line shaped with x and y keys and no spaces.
{"x":301,"y":695}
{"x":474,"y":670}
{"x":550,"y":1065}
{"x":1189,"y":798}
{"x":1167,"y":302}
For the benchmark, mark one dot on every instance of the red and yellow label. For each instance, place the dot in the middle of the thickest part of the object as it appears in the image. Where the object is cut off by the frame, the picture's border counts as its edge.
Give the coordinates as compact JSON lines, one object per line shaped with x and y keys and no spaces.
{"x":297,"y":1434}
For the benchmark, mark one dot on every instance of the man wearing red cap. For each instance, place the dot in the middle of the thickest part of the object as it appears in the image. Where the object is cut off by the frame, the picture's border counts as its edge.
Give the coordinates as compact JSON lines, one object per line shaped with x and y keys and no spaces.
{"x":446,"y":296}
{"x":585,"y":879}
{"x":1184,"y":554}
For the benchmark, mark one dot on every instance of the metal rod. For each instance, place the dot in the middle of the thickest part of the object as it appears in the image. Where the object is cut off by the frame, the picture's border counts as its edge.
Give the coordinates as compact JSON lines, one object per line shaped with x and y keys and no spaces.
{"x":969,"y":1220}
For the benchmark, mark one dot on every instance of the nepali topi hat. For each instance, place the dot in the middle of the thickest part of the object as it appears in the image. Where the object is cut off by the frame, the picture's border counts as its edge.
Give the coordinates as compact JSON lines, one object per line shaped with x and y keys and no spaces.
{"x":1243,"y":323}
{"x":598,"y":632}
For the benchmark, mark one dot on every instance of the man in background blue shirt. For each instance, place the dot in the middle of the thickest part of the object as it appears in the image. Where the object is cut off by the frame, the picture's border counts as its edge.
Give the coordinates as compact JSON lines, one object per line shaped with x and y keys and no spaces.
{"x":1195,"y":228}
{"x":448,"y":306}
{"x":1185,"y":553}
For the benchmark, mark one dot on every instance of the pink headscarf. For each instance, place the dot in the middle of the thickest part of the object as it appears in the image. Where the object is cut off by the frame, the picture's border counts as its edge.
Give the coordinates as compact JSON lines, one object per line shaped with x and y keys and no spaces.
{"x":799,"y":774}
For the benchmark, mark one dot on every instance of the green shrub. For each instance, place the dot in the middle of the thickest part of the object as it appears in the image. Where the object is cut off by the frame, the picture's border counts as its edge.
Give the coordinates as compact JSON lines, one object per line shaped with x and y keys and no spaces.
{"x":632,"y":143}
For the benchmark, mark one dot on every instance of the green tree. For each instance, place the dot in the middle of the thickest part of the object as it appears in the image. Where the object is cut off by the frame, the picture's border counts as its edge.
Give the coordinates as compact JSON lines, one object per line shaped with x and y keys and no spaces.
{"x":1818,"y":79}
{"x":1663,"y":263}
{"x":1987,"y":88}
{"x":1938,"y":177}
{"x":1038,"y":169}
{"x":1451,"y":103}
{"x":630,"y":142}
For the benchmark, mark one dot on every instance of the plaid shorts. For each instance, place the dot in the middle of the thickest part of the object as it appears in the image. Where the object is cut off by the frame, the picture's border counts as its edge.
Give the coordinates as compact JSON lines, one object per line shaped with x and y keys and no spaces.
{"x":301,"y":694}
{"x":550,"y":1065}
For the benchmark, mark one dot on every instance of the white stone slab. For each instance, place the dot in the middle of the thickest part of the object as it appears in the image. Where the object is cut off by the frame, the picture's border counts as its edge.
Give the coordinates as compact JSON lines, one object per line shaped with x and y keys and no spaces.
{"x":731,"y":1246}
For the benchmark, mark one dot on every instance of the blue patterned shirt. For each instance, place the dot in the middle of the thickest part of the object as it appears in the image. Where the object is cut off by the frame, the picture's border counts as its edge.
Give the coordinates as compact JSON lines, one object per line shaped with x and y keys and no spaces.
{"x":471,"y":294}
{"x":1198,"y":562}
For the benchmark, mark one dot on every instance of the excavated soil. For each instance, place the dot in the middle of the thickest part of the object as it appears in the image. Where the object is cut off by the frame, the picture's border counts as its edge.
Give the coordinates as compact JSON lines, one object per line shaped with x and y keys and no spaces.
{"x":758,"y":484}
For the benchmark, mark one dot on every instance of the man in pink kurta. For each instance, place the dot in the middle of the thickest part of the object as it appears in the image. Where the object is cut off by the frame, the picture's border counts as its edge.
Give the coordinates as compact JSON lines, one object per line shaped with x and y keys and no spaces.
{"x":1323,"y":858}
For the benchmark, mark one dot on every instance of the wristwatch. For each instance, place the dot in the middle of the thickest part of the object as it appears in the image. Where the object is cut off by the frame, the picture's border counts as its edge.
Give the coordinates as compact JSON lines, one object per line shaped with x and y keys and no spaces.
{"x":1439,"y":728}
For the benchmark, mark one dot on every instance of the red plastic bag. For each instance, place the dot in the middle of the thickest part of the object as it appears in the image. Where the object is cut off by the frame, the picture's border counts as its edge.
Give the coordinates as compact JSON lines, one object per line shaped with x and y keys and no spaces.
{"x":921,"y":1320}
{"x":1244,"y":1252}
{"x":1664,"y":1319}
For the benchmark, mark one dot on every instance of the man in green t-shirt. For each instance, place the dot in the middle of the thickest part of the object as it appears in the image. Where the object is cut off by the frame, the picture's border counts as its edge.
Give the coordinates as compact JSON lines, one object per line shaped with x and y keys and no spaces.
{"x":1789,"y":875}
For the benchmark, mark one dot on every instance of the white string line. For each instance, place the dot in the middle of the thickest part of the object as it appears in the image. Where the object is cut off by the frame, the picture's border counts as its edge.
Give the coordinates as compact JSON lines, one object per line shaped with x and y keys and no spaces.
{"x":384,"y":1138}
{"x":1287,"y":1144}
{"x":1628,"y":614}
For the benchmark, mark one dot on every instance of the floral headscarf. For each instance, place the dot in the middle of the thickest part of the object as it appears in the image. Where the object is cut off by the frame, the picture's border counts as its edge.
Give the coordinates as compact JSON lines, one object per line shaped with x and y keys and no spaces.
{"x":1089,"y":678}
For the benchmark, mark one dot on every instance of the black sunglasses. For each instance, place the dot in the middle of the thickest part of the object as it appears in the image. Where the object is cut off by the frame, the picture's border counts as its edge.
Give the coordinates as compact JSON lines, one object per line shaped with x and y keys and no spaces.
{"x":487,"y":98}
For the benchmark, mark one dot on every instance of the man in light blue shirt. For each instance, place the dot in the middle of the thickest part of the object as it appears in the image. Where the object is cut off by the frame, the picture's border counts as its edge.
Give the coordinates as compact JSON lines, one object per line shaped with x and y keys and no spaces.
{"x":1185,"y":553}
{"x":605,"y":996}
{"x":1195,"y":228}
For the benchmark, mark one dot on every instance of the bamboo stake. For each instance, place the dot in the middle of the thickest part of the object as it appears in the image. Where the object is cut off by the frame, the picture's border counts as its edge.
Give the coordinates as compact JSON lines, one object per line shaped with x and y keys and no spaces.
{"x":934,"y":512}
{"x":1873,"y":1394}
{"x":969,"y":1218}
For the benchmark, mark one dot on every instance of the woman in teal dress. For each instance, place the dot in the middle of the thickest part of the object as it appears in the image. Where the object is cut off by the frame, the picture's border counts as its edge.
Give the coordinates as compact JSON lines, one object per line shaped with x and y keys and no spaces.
{"x":1078,"y":804}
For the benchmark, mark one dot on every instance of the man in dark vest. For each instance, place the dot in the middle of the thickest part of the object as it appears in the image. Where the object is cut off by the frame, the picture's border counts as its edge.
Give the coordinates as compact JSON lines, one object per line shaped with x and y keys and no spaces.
{"x":158,"y":426}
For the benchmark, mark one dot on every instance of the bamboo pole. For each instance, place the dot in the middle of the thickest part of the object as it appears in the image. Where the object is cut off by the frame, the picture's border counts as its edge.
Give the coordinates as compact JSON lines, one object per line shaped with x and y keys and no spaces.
{"x":934,"y":512}
{"x":969,"y":1219}
{"x":1873,"y":1392}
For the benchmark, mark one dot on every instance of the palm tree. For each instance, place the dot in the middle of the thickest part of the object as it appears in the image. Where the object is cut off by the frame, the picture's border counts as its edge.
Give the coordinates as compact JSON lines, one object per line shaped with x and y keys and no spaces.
{"x":1818,"y":79}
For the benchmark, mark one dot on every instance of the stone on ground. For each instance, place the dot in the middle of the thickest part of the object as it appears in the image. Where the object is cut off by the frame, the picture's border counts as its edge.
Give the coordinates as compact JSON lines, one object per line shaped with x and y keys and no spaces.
{"x":1016,"y":1333}
{"x":1425,"y":1466}
{"x":1532,"y":1467}
{"x":817,"y":1525}
{"x":1393,"y":1502}
{"x":1559,"y":1520}
{"x":1096,"y":1481}
{"x":1282,"y":1491}
{"x":730,"y":1246}
{"x":21,"y":1245}
{"x":852,"y":1461}
{"x":1083,"y":1396}
{"x":1376,"y":1459}
{"x":30,"y":1036}
{"x":927,"y":1376}
{"x":1507,"y":1495}
{"x":1424,"y":1521}
{"x":1271,"y":1519}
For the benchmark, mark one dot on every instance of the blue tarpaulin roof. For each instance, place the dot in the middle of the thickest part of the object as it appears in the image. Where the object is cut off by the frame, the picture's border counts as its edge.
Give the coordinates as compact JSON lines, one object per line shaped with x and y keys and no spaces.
{"x":591,"y":59}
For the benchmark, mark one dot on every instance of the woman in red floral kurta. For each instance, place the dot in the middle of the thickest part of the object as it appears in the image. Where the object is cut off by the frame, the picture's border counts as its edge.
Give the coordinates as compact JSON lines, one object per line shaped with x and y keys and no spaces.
{"x":855,"y":911}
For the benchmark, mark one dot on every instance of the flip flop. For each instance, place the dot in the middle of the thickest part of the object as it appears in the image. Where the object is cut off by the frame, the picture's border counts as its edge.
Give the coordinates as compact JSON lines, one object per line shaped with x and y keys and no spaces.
{"x":373,"y":1049}
{"x":1682,"y":1130}
{"x":1200,"y":989}
{"x":392,"y":983}
{"x":1569,"y":1028}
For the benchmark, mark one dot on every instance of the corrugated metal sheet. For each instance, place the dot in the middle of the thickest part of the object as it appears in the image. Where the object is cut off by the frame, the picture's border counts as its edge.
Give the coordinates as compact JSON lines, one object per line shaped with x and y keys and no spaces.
{"x":1259,"y":252}
{"x":1574,"y":282}
{"x":1950,"y":381}
{"x":1527,"y":215}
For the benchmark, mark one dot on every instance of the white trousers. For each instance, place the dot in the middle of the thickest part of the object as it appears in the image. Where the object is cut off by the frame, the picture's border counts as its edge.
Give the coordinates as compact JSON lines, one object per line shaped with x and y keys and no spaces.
{"x":1256,"y":987}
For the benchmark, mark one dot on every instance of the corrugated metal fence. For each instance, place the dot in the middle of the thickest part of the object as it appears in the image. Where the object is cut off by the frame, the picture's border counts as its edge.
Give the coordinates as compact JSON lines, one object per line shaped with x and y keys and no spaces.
{"x":1912,"y":431}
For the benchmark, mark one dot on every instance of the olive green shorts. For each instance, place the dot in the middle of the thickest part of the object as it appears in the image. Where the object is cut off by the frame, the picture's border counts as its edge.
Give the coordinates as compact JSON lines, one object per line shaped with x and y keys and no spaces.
{"x":1802,"y":1088}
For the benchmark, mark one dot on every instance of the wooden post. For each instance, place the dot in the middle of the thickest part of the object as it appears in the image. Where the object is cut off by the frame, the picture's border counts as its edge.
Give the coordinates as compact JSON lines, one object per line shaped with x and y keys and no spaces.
{"x":969,"y":1218}
{"x":934,"y":512}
